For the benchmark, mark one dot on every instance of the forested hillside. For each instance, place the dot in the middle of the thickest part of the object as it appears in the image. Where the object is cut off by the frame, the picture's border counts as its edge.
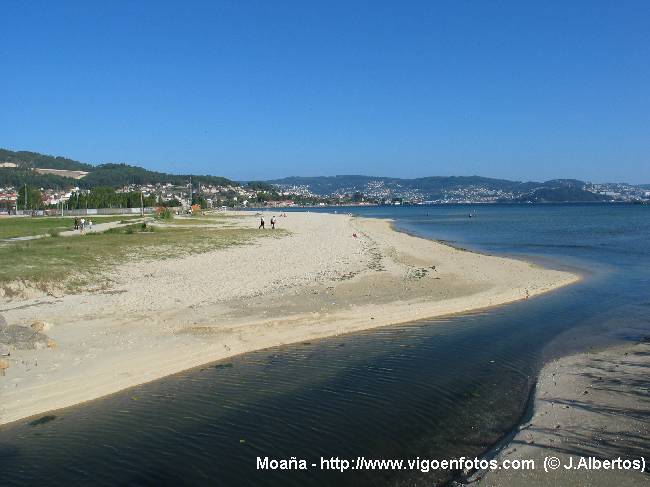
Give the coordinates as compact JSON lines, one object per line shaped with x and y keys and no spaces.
{"x":104,"y":175}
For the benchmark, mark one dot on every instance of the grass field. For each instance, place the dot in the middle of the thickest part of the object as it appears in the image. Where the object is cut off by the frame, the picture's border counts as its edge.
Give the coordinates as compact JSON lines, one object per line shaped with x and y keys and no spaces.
{"x":11,"y":227}
{"x":75,"y":261}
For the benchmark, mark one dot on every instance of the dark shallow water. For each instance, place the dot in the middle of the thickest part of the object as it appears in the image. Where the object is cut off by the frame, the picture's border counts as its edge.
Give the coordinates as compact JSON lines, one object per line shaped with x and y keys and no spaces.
{"x":435,"y":389}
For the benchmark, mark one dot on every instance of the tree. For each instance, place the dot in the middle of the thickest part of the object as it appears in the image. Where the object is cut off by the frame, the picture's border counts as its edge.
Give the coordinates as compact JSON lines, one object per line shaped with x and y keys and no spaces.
{"x":169,"y":203}
{"x":34,"y":198}
{"x":199,"y":200}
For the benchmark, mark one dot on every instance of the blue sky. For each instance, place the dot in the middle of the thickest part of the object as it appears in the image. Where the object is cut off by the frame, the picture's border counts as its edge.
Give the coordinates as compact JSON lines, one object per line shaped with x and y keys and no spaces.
{"x":256,"y":90}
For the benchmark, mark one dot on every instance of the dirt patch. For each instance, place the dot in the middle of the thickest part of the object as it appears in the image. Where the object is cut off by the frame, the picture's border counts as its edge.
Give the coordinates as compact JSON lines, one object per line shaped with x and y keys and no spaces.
{"x":19,"y":337}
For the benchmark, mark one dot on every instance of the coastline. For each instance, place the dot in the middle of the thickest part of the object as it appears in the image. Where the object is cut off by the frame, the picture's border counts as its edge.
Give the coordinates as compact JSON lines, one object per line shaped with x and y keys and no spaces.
{"x":165,"y":316}
{"x":585,"y":405}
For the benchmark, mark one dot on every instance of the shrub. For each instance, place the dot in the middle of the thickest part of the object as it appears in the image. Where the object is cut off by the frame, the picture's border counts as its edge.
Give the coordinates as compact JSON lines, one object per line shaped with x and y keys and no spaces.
{"x":164,"y":214}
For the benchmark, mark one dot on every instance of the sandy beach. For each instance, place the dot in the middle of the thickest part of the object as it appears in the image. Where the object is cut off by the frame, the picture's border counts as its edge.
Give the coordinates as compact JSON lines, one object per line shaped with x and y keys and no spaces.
{"x":587,"y":405}
{"x":328,"y":275}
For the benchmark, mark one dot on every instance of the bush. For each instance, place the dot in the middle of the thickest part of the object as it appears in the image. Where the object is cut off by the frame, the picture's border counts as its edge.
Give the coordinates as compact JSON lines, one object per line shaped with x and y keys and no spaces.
{"x":131,"y":229}
{"x":164,"y":214}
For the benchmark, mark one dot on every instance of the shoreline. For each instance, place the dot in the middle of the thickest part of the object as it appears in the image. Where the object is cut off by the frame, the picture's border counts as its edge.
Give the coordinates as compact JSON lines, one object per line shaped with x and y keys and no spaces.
{"x":589,"y":404}
{"x":381,"y":277}
{"x":542,"y":261}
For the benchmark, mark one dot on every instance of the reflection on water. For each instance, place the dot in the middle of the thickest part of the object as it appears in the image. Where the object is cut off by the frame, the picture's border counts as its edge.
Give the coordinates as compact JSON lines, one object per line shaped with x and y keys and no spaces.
{"x":436,"y":389}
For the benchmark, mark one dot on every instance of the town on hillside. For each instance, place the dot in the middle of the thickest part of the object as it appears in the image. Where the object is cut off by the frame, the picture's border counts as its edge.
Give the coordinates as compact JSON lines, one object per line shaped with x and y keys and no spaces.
{"x":36,"y":183}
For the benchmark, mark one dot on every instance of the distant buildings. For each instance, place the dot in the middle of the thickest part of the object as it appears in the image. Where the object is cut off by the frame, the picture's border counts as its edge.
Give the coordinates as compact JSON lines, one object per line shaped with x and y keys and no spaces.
{"x":619,"y":191}
{"x":285,"y":196}
{"x":8,"y":198}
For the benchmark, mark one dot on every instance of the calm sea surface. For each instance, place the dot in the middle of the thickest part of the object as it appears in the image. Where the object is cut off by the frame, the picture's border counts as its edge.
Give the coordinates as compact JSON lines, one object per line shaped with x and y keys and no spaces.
{"x":434,"y":389}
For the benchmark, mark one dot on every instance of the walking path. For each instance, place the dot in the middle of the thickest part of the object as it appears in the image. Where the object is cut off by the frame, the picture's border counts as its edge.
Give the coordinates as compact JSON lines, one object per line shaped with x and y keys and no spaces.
{"x":97,"y":228}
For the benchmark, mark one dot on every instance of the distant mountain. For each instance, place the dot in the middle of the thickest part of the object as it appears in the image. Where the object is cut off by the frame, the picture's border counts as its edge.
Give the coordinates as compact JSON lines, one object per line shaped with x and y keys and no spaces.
{"x":326,"y":185}
{"x":461,"y":189}
{"x":561,"y":194}
{"x":433,"y":186}
{"x":564,"y":183}
{"x":40,"y":170}
{"x":439,"y":188}
{"x":22,"y":167}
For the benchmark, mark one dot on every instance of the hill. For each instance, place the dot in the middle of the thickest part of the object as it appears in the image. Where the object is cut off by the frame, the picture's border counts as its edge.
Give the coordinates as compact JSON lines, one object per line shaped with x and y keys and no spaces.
{"x":441,"y":188}
{"x":118,"y":175}
{"x":563,"y":194}
{"x":432,"y":186}
{"x":51,"y":172}
{"x":32,"y":168}
{"x":31,"y":160}
{"x":459,"y":189}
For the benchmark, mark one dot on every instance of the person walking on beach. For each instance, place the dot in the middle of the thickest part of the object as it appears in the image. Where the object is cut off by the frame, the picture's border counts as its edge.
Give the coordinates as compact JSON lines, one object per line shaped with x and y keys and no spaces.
{"x":261,"y":222}
{"x":273,"y":222}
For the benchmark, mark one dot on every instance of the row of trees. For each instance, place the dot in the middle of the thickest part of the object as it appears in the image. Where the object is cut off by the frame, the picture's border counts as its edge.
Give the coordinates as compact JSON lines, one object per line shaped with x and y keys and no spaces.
{"x":109,"y":198}
{"x":95,"y":198}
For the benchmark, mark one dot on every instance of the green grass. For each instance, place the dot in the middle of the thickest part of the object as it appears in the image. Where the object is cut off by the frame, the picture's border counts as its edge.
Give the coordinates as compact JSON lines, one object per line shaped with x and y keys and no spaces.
{"x":11,"y":227}
{"x":80,"y":260}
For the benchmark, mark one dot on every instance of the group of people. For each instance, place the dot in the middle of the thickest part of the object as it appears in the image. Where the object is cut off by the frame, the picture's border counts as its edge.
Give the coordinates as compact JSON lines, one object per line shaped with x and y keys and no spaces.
{"x":81,"y":224}
{"x":262,"y":223}
{"x":273,"y":221}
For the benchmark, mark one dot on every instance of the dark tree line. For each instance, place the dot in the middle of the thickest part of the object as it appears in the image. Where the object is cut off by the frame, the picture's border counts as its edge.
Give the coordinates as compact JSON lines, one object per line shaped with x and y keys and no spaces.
{"x":20,"y":177}
{"x":109,"y":198}
{"x":34,"y":159}
{"x":119,"y":175}
{"x":110,"y":175}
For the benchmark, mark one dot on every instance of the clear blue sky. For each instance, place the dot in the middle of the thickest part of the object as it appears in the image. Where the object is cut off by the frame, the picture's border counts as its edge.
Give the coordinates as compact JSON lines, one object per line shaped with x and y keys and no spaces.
{"x":251,"y":90}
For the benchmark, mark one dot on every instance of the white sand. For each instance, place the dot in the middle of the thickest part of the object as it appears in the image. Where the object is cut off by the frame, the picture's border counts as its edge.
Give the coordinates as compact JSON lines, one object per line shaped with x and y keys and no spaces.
{"x":169,"y":315}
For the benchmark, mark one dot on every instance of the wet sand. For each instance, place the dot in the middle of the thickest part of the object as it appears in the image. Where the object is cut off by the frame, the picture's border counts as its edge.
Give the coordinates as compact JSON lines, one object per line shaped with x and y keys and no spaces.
{"x":589,"y":405}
